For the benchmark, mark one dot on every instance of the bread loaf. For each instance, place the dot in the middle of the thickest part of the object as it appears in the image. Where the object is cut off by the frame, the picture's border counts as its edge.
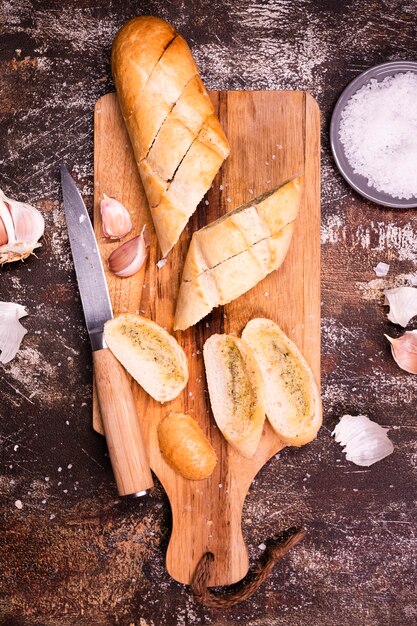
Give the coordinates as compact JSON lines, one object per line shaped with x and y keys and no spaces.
{"x":185,"y":447}
{"x":231,"y":255}
{"x":149,"y":353}
{"x":177,"y":139}
{"x":235,"y":388}
{"x":292,"y":399}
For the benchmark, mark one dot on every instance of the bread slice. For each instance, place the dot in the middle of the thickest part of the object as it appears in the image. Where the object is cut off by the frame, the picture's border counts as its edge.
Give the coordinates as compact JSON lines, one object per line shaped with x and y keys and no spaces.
{"x":149,"y":353}
{"x":291,"y":396}
{"x":185,"y":447}
{"x":235,"y":388}
{"x":230,"y":256}
{"x":176,"y":138}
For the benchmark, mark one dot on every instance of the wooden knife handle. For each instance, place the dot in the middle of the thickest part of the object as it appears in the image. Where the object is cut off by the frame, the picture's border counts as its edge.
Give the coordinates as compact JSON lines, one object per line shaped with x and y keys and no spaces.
{"x":121,"y":425}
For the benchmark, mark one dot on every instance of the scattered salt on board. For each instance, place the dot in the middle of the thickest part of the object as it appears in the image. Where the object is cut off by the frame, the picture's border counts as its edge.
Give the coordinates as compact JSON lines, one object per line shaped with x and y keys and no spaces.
{"x":378,"y":130}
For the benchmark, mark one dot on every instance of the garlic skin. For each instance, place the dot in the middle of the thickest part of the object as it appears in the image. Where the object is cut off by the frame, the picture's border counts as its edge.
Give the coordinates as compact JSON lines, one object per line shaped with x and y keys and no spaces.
{"x":11,"y":330}
{"x":128,"y":258}
{"x":381,"y":269}
{"x":403,"y":304}
{"x":115,"y":218}
{"x":364,"y":441}
{"x":404,"y":351}
{"x":21,"y":227}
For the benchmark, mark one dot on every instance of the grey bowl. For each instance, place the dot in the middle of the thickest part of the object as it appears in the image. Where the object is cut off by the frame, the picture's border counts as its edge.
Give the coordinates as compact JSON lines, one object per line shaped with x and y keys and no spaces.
{"x":358,"y":182}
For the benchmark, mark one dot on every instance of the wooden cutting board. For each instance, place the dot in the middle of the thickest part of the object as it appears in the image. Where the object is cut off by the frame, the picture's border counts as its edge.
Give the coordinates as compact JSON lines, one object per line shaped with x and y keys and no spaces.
{"x":273,"y":135}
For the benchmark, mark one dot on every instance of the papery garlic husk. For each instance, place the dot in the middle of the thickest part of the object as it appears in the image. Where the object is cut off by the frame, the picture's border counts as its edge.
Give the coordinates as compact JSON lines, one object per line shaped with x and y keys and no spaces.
{"x":404,"y":351}
{"x":21,"y":227}
{"x":11,"y":330}
{"x":115,"y":218}
{"x":402,"y":303}
{"x":128,"y":258}
{"x":365,"y":442}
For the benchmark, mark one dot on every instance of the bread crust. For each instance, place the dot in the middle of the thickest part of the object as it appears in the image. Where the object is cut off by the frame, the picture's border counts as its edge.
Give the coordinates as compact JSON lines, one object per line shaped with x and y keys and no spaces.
{"x":145,"y":38}
{"x":185,"y":447}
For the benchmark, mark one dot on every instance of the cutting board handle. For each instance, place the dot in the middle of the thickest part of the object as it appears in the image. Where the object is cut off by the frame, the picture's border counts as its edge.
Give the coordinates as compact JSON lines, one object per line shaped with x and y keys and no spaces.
{"x":204,"y":519}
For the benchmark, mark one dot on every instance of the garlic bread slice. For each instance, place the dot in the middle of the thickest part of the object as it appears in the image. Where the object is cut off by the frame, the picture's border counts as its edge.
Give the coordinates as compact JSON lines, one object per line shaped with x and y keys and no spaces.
{"x":291,"y":396}
{"x":149,"y":353}
{"x":235,"y":388}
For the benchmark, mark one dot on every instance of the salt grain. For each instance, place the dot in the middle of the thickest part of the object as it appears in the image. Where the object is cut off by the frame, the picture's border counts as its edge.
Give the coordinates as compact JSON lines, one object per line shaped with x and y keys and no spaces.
{"x":378,"y":130}
{"x":18,"y":504}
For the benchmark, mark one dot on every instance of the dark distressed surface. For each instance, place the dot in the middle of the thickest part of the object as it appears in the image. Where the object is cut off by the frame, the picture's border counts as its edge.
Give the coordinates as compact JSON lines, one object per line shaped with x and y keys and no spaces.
{"x":75,"y":555}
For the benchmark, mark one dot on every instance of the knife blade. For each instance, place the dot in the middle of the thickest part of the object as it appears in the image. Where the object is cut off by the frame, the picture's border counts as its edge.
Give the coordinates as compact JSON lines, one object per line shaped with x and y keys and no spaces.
{"x":117,"y":406}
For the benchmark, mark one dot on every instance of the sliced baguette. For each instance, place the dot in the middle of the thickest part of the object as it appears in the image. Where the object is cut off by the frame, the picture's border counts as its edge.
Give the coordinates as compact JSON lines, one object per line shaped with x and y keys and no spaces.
{"x":235,"y":388}
{"x":149,"y":353}
{"x":176,"y":138}
{"x":230,"y":279}
{"x":185,"y":447}
{"x":230,"y":256}
{"x":291,"y":396}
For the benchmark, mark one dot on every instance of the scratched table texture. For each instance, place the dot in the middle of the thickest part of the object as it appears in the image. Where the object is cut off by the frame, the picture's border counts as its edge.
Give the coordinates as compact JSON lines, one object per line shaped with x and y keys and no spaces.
{"x":74,"y":554}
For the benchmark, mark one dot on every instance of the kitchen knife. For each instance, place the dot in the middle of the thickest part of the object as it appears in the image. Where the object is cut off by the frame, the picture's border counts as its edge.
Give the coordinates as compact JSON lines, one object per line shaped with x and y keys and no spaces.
{"x":117,"y":406}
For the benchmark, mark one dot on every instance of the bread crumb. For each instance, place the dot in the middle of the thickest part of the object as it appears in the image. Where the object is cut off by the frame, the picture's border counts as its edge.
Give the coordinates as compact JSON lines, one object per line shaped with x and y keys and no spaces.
{"x":266,"y":294}
{"x":228,"y":199}
{"x":18,"y":504}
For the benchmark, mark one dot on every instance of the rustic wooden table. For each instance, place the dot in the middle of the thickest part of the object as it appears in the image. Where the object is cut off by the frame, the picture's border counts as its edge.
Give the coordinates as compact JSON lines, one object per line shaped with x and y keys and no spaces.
{"x":74,"y":554}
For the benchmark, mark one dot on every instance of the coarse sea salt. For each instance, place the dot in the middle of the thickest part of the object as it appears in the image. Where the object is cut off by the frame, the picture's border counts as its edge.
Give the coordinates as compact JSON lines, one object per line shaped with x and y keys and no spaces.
{"x":378,"y":130}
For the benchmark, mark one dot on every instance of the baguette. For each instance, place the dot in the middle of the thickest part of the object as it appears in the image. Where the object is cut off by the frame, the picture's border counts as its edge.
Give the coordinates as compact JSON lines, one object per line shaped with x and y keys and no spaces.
{"x":291,"y":396}
{"x":231,"y":255}
{"x":149,"y":353}
{"x":185,"y":447}
{"x":177,"y":140}
{"x":235,"y":388}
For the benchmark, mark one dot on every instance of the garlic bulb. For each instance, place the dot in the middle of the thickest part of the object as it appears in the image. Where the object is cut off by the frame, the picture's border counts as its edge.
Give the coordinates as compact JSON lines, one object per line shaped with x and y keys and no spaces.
{"x":404,"y":351}
{"x":403,"y":304}
{"x":11,"y":330}
{"x":115,"y":218}
{"x":21,"y":227}
{"x":128,"y":258}
{"x":364,"y":441}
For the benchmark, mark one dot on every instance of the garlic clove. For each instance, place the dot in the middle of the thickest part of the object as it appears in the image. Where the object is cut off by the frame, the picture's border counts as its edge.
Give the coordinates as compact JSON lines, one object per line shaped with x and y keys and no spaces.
{"x":128,"y":258}
{"x":4,"y":238}
{"x":115,"y":218}
{"x":365,"y":442}
{"x":403,"y":304}
{"x":11,"y":330}
{"x":404,"y":351}
{"x":21,"y":227}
